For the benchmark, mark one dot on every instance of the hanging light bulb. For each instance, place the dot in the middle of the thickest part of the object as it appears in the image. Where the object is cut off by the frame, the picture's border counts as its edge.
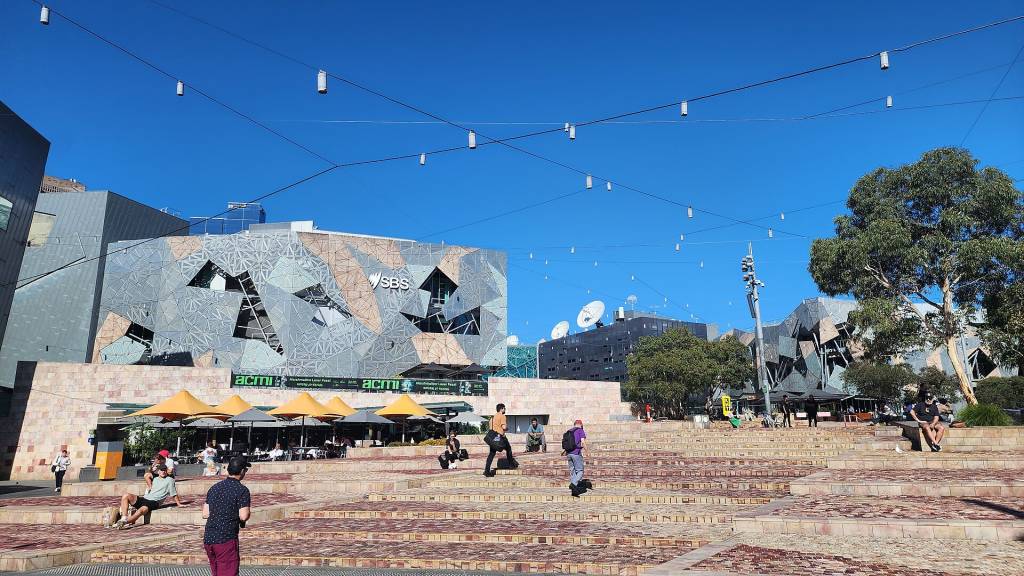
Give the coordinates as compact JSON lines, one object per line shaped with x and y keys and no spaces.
{"x":771,"y":234}
{"x":572,"y":250}
{"x":531,"y":255}
{"x":545,"y":276}
{"x":472,"y":139}
{"x":632,"y":277}
{"x":683,"y":108}
{"x":572,"y":131}
{"x":888,"y":101}
{"x":590,"y":181}
{"x":566,"y":129}
{"x":609,"y":184}
{"x":689,"y":211}
{"x":677,"y":247}
{"x":883,"y":60}
{"x":423,"y":159}
{"x":701,"y":263}
{"x":588,"y":290}
{"x":595,"y":263}
{"x":44,"y":16}
{"x":682,"y":237}
{"x":545,"y":261}
{"x":782,"y":215}
{"x":321,"y":82}
{"x":181,"y":88}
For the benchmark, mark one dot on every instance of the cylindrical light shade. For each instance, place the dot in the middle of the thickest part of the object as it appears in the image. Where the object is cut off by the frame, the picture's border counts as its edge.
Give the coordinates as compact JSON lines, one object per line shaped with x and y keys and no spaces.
{"x":44,"y":15}
{"x":883,"y":60}
{"x":566,"y":129}
{"x":701,"y":263}
{"x":609,"y":184}
{"x":590,"y":181}
{"x":684,"y":108}
{"x":572,"y":250}
{"x":181,"y":88}
{"x":321,"y":82}
{"x":682,"y":237}
{"x":677,"y":247}
{"x":771,"y":233}
{"x":782,"y":215}
{"x":888,"y":101}
{"x":572,"y":131}
{"x":472,"y":139}
{"x":531,"y":255}
{"x":689,"y":211}
{"x":423,"y":159}
{"x":595,"y":263}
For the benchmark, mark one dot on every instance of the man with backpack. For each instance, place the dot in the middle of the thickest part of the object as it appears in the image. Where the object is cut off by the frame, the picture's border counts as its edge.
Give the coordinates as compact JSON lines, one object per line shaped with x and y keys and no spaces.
{"x":496,"y":440}
{"x":573,"y":442}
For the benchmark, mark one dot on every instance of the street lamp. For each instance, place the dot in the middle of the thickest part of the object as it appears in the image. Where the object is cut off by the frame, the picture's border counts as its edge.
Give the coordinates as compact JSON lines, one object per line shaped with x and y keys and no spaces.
{"x":750,"y":279}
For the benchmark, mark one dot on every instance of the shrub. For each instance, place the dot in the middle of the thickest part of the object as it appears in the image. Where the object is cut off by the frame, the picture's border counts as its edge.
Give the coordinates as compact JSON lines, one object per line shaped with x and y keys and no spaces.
{"x":984,"y":415}
{"x":433,"y":442}
{"x":397,"y":444}
{"x":1005,"y":392}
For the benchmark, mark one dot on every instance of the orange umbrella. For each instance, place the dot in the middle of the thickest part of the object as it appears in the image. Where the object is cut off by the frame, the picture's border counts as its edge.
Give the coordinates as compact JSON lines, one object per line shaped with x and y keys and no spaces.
{"x":402,"y":408}
{"x":302,"y":406}
{"x":338,"y":407}
{"x":178,"y":407}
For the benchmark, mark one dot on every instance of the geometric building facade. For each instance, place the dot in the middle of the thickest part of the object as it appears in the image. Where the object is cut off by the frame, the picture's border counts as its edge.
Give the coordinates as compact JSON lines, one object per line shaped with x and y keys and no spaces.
{"x":811,"y":348}
{"x":23,"y":153}
{"x":54,"y":316}
{"x":522,"y":362}
{"x":281,"y":301}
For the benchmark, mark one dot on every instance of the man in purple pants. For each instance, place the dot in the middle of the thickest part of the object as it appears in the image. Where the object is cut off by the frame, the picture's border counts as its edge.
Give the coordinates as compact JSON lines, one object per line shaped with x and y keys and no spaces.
{"x":226,"y":510}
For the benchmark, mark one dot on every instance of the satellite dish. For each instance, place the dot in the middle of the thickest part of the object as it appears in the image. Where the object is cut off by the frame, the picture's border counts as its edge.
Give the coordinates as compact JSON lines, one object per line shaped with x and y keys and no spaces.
{"x":512,"y":340}
{"x":631,"y":300}
{"x":590,"y":314}
{"x":541,"y":341}
{"x":560,"y":330}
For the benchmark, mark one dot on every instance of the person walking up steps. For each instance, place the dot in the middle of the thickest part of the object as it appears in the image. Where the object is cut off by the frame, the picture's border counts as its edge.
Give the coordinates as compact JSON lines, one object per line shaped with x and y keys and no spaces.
{"x":811,"y":406}
{"x":59,"y":468}
{"x":573,"y":442}
{"x":226,"y":510}
{"x":497,"y":441}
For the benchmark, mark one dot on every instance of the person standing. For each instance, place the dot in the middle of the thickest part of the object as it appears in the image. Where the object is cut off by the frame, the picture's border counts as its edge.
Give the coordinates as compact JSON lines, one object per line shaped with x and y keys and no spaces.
{"x":497,"y":441}
{"x":811,"y":406}
{"x":227,"y":508}
{"x":573,"y":442}
{"x":209,"y":458}
{"x":59,"y":467}
{"x":787,"y":411}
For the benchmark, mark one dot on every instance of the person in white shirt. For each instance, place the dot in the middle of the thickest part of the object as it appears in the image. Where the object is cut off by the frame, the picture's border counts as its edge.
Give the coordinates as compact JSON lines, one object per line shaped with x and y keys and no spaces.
{"x":60,"y":467}
{"x":209,"y":458}
{"x":277,"y":453}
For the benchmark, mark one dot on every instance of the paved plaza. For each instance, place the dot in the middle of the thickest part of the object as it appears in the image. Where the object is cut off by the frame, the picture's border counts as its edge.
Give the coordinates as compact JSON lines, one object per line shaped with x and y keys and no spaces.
{"x":668,"y":499}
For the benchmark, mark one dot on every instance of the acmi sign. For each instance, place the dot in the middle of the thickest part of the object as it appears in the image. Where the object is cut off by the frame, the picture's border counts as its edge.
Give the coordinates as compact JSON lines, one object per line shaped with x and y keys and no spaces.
{"x":393,"y":282}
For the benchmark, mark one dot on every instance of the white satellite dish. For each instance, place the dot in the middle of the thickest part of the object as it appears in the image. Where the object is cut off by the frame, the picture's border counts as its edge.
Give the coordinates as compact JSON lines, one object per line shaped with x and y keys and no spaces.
{"x":512,"y":340}
{"x":590,"y":314}
{"x":631,"y":300}
{"x":560,"y":330}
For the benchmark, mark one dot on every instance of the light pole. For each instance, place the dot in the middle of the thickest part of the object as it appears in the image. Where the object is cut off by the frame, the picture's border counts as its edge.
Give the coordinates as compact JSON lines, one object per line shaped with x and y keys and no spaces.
{"x":750,"y":278}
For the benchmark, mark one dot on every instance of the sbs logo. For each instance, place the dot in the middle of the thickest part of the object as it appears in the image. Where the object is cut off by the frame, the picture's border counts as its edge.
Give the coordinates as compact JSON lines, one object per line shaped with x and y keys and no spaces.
{"x":392,"y":282}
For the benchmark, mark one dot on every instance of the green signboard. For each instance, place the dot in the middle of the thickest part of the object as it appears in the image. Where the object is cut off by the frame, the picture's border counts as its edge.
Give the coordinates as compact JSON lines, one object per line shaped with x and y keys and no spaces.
{"x":406,"y":385}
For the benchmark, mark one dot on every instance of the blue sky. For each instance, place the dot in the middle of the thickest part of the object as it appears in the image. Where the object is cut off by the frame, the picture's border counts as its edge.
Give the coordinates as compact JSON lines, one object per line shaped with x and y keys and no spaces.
{"x":117,"y":125}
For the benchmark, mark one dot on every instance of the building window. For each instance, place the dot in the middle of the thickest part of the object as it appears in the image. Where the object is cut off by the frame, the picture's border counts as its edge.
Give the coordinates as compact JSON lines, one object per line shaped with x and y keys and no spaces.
{"x":5,"y":212}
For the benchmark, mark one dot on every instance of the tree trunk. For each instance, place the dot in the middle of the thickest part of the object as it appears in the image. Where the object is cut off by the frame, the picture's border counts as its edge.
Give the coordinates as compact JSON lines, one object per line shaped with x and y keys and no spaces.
{"x":958,"y":367}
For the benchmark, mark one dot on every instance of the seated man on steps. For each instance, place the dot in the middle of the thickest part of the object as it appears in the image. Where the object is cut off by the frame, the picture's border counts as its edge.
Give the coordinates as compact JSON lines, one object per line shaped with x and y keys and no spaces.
{"x":163,"y":487}
{"x":926,"y":414}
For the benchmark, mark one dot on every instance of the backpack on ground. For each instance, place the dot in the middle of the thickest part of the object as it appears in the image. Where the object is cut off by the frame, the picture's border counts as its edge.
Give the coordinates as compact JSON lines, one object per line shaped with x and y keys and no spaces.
{"x":569,"y":440}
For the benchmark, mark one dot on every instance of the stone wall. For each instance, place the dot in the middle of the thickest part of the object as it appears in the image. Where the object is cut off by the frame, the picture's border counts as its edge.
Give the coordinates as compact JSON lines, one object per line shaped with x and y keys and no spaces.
{"x":55,"y":405}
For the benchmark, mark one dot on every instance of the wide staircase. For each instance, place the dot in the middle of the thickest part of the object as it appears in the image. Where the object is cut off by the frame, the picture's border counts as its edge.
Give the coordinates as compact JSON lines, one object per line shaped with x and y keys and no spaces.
{"x":667,"y":499}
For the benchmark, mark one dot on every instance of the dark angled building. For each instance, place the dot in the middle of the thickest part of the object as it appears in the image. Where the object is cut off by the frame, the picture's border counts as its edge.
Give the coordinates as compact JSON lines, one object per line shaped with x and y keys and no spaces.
{"x":600,"y":353}
{"x":23,"y":153}
{"x":240,"y":216}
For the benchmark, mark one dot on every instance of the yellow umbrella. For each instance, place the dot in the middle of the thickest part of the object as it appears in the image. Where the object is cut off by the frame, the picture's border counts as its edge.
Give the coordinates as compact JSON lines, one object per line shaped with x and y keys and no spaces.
{"x":338,"y":407}
{"x":302,"y":406}
{"x":178,"y":407}
{"x":233,"y":406}
{"x":404,"y":407}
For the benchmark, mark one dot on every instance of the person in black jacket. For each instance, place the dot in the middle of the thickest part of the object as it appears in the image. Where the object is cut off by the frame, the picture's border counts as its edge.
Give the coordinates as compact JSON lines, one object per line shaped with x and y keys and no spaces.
{"x":787,"y":411}
{"x":811,"y":406}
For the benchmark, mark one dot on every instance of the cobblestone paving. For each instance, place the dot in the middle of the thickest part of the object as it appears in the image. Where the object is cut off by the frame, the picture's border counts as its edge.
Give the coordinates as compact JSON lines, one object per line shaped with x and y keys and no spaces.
{"x":23,"y":537}
{"x":603,"y":494}
{"x":58,"y":502}
{"x":926,"y":557}
{"x":923,"y":475}
{"x":552,"y":531}
{"x":745,"y":559}
{"x":905,"y":507}
{"x":598,"y":472}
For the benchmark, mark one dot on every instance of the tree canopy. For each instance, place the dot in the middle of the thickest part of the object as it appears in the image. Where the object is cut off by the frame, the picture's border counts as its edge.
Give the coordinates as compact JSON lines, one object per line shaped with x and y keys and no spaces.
{"x":666,"y":370}
{"x":919,"y":249}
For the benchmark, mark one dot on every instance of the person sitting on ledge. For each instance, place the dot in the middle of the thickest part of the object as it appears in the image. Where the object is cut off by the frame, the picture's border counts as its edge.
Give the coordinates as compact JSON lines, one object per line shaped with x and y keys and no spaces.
{"x":163,"y":487}
{"x":926,"y":414}
{"x":162,"y":457}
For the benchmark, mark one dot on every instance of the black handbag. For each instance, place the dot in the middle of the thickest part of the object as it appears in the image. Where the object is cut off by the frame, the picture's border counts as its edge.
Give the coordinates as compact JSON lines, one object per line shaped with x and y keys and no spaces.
{"x":463,"y":454}
{"x":493,"y":439}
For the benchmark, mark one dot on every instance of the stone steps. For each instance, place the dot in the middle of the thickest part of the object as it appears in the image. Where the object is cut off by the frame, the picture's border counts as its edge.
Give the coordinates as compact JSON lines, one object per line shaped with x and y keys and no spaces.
{"x":604,"y":496}
{"x":931,"y":460}
{"x":988,"y":519}
{"x":975,"y":483}
{"x":297,"y":484}
{"x":531,"y":482}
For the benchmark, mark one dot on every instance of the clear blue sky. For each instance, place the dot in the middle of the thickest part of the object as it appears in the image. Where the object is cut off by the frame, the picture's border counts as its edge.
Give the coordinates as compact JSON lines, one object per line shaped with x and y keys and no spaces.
{"x":117,"y":125}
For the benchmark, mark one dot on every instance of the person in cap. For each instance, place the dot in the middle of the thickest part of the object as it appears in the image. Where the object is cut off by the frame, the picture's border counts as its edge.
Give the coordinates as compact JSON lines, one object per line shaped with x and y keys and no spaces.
{"x":163,"y":487}
{"x":926,"y":414}
{"x":573,"y":442}
{"x":227,"y":508}
{"x":162,"y":457}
